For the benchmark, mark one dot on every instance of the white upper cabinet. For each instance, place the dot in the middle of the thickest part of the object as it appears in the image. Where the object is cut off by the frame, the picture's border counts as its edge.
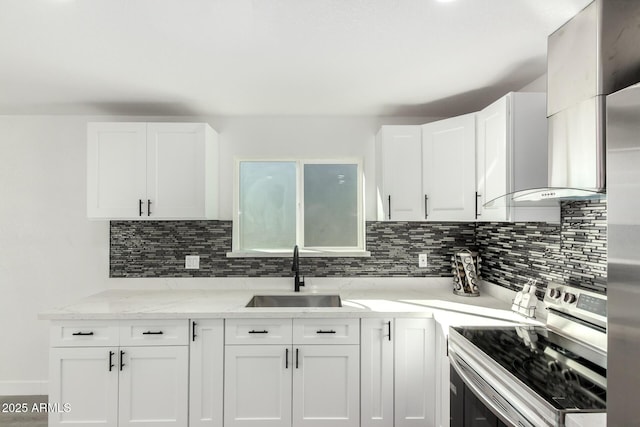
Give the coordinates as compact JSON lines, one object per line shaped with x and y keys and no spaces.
{"x":399,"y":172}
{"x":511,"y":156}
{"x":116,"y":169}
{"x":152,"y":171}
{"x":448,"y":169}
{"x":178,"y":159}
{"x":493,"y":151}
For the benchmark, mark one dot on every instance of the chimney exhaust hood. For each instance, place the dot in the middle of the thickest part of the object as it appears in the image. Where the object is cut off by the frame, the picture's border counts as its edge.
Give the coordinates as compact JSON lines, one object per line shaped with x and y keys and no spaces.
{"x":595,"y":53}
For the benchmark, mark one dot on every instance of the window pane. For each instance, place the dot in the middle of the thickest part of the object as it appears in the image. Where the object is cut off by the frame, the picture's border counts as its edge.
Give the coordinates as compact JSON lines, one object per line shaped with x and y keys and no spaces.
{"x":330,"y":205}
{"x":267,"y":205}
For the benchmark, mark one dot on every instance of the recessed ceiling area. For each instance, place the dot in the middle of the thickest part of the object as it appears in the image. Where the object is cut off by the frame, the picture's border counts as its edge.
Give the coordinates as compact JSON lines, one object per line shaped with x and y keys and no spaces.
{"x":270,"y":57}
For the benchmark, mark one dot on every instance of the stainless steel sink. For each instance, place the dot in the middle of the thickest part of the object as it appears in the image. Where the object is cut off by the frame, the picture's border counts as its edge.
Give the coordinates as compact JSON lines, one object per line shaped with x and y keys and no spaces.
{"x":312,"y":300}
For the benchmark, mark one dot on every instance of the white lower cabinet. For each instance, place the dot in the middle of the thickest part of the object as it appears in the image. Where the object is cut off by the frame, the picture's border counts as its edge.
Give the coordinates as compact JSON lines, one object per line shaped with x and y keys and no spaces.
{"x":83,"y":382}
{"x":120,"y":386}
{"x":257,"y":385}
{"x":397,"y":363}
{"x":374,"y":372}
{"x":414,"y":373}
{"x":443,"y":382}
{"x":153,"y":389}
{"x":376,"y":367}
{"x":206,"y":372}
{"x":117,"y":386}
{"x":284,"y":381}
{"x":326,"y":386}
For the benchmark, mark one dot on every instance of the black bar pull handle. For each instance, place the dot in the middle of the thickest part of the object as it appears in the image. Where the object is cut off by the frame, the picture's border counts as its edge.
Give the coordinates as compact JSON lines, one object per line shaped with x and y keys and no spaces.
{"x":426,"y":207}
{"x":286,"y":358}
{"x":111,"y":365}
{"x":139,"y":207}
{"x":477,"y":195}
{"x":297,"y":350}
{"x":82,"y":334}
{"x":320,"y":331}
{"x":193,"y":331}
{"x":389,"y":324}
{"x":153,"y":333}
{"x":389,"y":206}
{"x":148,"y":207}
{"x":121,"y":360}
{"x":253,"y":331}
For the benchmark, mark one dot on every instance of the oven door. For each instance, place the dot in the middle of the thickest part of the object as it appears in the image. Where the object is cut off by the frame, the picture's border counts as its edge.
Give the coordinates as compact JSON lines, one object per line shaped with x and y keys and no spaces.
{"x":484,"y":403}
{"x":466,"y":409}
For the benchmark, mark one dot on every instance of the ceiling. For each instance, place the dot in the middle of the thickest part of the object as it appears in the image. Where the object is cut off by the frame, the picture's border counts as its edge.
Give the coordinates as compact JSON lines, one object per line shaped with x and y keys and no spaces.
{"x":270,"y":57}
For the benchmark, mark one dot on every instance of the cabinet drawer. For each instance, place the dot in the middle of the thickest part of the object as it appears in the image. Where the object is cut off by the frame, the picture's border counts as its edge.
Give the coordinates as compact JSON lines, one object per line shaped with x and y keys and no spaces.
{"x":154,"y":332}
{"x":257,"y":331}
{"x":84,"y":333}
{"x":326,"y":331}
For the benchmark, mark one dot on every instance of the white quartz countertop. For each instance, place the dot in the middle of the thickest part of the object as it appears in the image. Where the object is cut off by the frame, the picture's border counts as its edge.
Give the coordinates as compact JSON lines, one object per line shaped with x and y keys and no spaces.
{"x":361,"y":300}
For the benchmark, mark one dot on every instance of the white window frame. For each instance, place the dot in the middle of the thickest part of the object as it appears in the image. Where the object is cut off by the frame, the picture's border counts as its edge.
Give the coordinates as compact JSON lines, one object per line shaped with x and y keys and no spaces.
{"x":354,"y":251}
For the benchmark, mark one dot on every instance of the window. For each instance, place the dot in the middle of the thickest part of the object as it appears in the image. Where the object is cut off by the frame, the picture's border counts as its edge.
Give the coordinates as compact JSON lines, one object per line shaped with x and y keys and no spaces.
{"x":316,"y":204}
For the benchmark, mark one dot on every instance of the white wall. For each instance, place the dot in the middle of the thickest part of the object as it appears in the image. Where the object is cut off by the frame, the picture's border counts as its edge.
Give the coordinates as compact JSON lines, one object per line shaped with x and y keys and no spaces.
{"x":300,"y":137}
{"x":50,"y":254}
{"x":49,"y":251}
{"x":538,"y":85}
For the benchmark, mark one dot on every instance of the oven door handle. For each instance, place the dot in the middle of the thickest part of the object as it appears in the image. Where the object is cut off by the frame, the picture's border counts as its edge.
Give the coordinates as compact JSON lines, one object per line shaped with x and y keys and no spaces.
{"x":489,"y":403}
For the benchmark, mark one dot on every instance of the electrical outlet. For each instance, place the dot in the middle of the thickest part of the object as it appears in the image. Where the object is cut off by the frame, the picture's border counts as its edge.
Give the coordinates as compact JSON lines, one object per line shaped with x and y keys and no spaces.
{"x":192,"y":262}
{"x":422,"y":260}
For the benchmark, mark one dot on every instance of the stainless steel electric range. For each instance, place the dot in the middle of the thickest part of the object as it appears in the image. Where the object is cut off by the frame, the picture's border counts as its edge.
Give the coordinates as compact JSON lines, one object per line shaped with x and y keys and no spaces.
{"x":534,"y":376}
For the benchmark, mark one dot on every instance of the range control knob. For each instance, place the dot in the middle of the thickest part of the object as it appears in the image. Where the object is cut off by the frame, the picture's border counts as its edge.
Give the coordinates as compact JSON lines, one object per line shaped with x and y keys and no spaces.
{"x":555,"y":293}
{"x":569,"y":298}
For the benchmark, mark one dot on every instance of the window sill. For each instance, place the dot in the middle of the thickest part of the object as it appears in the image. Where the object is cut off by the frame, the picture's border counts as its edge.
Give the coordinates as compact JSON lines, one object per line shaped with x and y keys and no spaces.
{"x":304,"y":253}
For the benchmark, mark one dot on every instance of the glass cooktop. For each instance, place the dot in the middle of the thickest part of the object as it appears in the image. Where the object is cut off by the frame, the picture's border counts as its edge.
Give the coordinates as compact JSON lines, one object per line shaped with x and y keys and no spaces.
{"x":539,"y":359}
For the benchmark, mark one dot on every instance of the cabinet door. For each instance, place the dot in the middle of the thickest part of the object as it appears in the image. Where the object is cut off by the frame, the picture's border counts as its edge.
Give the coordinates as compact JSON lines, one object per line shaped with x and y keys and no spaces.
{"x":116,"y":169}
{"x":443,"y":383}
{"x":493,"y":165}
{"x":206,"y":373}
{"x":400,"y":160}
{"x":257,"y":385}
{"x":449,"y":170}
{"x":376,"y":367}
{"x":414,"y":373}
{"x":176,"y":170}
{"x":154,"y":386}
{"x":326,"y":386}
{"x":85,"y":380}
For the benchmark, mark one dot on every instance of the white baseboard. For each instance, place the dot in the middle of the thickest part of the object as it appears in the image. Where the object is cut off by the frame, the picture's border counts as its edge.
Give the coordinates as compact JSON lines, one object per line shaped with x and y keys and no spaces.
{"x":23,"y":388}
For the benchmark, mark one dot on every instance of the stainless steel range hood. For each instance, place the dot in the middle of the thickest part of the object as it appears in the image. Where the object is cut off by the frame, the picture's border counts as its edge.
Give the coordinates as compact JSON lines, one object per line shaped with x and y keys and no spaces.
{"x":595,"y":53}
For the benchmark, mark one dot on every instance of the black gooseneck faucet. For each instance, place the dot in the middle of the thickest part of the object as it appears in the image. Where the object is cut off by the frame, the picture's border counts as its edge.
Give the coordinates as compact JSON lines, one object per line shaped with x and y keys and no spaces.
{"x":296,"y":268}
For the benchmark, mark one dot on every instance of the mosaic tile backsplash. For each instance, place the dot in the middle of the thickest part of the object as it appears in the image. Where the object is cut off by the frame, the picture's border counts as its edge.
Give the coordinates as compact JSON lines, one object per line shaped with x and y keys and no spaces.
{"x":158,"y":248}
{"x":572,"y":252}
